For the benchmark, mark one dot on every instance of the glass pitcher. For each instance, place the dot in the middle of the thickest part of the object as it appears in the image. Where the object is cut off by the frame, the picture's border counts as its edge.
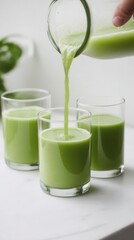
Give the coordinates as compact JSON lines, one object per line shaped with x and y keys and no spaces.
{"x":88,"y":24}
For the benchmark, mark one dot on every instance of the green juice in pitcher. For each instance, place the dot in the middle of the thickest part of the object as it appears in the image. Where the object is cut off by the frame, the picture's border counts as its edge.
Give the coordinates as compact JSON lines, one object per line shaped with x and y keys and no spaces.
{"x":112,"y":45}
{"x":91,"y":26}
{"x":105,"y":45}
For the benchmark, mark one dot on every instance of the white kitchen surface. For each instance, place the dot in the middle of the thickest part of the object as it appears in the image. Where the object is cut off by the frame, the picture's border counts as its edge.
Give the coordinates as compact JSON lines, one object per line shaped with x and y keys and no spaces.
{"x":27,"y":213}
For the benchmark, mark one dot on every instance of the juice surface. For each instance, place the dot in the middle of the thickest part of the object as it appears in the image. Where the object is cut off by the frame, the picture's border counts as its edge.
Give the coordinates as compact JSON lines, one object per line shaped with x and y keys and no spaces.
{"x":107,"y":142}
{"x":21,"y":135}
{"x":64,"y":163}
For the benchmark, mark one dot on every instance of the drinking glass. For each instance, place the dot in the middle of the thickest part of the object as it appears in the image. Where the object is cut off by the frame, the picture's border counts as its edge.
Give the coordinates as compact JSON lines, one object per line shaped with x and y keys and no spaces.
{"x":20,"y":131}
{"x":108,"y":123}
{"x":64,"y":158}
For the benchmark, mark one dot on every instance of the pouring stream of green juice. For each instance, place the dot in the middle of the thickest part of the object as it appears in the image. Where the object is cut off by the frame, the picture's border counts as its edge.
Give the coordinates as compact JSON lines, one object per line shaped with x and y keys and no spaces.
{"x":67,"y":53}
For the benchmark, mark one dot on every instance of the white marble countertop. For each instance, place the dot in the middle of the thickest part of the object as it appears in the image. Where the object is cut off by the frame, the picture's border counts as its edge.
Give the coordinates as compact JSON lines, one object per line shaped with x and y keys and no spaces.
{"x":27,"y":213}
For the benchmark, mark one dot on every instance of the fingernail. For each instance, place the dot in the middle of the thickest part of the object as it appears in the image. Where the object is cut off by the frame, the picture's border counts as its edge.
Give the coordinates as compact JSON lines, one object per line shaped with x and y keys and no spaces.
{"x":118,"y":21}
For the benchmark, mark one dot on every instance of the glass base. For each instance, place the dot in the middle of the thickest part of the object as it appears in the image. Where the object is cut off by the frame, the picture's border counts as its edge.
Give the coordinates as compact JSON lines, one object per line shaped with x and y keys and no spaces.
{"x":22,"y":167}
{"x":108,"y":173}
{"x":71,"y":192}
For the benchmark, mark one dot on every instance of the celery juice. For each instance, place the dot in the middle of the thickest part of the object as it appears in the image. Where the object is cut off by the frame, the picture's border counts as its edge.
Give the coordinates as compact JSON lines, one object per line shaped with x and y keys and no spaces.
{"x":105,"y":43}
{"x":107,"y":142}
{"x":21,"y":135}
{"x":112,"y":45}
{"x":64,"y":163}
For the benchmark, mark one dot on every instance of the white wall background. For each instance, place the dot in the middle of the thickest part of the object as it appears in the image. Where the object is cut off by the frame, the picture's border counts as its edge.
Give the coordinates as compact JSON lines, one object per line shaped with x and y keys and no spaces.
{"x":87,"y":77}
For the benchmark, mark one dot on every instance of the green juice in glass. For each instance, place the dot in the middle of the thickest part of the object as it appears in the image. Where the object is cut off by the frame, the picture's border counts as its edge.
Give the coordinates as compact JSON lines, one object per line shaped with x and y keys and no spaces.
{"x":21,"y":135}
{"x":64,"y":163}
{"x":107,"y":142}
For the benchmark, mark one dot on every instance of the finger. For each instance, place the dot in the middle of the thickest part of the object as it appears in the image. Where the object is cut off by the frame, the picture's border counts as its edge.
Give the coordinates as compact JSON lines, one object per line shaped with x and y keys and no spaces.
{"x":123,"y":12}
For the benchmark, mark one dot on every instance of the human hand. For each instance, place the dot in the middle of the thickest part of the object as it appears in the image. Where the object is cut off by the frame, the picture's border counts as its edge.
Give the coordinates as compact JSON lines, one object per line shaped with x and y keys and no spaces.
{"x":123,"y":12}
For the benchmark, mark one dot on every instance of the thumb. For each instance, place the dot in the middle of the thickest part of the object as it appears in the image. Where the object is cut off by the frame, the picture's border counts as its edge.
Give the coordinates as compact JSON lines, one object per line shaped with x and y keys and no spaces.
{"x":123,"y":12}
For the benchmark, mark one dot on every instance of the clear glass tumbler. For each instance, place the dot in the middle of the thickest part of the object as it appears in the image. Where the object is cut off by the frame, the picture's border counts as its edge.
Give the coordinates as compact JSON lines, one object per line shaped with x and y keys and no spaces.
{"x":20,"y":130}
{"x":64,"y":159}
{"x":107,"y":134}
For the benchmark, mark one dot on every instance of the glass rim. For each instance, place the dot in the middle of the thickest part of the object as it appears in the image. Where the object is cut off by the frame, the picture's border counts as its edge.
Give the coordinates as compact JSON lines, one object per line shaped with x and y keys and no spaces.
{"x":19,"y":90}
{"x":48,"y":110}
{"x":118,"y":101}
